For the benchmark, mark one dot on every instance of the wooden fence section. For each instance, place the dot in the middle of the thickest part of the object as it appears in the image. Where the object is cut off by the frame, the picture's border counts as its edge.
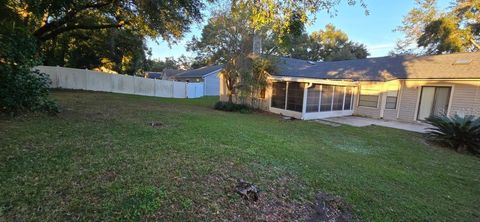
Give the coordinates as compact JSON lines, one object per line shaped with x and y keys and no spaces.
{"x":69,"y":78}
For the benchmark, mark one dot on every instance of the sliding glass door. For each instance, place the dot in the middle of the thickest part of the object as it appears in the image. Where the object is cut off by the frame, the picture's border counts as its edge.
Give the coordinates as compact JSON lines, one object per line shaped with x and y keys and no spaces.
{"x":433,"y":101}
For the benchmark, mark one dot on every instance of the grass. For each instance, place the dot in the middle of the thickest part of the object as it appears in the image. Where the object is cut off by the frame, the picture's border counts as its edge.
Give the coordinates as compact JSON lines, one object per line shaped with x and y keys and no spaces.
{"x":101,"y":159}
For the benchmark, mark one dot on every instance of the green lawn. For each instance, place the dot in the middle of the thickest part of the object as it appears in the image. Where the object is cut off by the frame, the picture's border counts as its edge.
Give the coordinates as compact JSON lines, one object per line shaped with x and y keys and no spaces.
{"x":101,"y":160}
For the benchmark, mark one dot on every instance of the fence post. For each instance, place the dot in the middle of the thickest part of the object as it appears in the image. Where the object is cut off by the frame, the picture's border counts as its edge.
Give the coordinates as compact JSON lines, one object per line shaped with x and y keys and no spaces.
{"x":86,"y":79}
{"x":155,"y":87}
{"x":57,"y":70}
{"x":134,"y":91}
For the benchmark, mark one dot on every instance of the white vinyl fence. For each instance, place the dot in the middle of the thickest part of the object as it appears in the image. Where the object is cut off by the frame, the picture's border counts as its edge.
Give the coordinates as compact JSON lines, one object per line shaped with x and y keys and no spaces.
{"x":68,"y":78}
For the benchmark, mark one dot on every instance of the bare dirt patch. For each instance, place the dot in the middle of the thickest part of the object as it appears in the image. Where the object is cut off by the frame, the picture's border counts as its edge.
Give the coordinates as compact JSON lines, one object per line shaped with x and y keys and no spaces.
{"x":331,"y":208}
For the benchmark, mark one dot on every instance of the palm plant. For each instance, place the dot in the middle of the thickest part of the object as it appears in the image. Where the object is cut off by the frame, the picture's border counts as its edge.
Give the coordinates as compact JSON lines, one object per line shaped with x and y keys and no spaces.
{"x":460,"y":133}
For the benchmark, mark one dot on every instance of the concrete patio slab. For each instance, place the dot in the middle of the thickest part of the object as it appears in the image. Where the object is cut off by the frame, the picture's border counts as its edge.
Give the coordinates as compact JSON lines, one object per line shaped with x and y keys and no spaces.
{"x":362,"y":121}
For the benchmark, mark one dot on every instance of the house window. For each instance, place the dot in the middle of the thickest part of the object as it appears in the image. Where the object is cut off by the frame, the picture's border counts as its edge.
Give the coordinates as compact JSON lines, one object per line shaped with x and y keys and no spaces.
{"x":326,"y":100}
{"x":391,"y":102}
{"x":368,"y":101}
{"x":348,"y":98}
{"x":295,"y":96}
{"x":313,"y":98}
{"x":338,"y":98}
{"x":278,"y":94}
{"x":368,"y":97}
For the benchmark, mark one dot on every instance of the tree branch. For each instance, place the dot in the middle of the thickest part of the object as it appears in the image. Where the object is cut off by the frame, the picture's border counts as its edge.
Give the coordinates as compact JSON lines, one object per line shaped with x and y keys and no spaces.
{"x":69,"y":16}
{"x":67,"y":28}
{"x":474,"y":43}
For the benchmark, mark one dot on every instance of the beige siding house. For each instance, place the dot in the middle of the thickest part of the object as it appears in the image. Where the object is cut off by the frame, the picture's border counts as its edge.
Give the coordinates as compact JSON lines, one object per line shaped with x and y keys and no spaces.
{"x":403,"y":88}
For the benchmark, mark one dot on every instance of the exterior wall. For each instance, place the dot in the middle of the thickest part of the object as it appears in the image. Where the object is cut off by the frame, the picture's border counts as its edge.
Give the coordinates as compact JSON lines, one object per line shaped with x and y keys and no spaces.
{"x":263,"y":104}
{"x":464,"y":97}
{"x":408,"y":102}
{"x":212,"y":84}
{"x":376,"y":88}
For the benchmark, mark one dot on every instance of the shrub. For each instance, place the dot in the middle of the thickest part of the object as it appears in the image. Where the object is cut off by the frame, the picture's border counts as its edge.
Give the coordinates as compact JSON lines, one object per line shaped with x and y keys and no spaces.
{"x":460,"y":133}
{"x":232,"y":107}
{"x":21,"y":89}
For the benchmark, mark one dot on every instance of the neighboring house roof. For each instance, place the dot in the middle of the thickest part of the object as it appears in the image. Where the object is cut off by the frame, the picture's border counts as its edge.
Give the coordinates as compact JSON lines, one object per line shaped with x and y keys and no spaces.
{"x":449,"y":66}
{"x":153,"y":75}
{"x":169,"y":73}
{"x":200,"y":72}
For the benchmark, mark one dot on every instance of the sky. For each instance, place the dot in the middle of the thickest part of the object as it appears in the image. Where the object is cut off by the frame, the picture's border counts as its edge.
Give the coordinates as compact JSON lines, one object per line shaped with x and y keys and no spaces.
{"x":374,"y":30}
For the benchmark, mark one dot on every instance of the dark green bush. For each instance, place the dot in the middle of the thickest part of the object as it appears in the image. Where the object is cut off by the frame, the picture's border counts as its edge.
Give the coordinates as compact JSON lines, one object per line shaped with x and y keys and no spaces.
{"x":21,"y":89}
{"x":232,"y":107}
{"x":460,"y":133}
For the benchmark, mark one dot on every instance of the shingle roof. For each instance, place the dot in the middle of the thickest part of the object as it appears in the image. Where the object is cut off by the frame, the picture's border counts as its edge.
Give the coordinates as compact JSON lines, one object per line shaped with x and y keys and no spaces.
{"x":450,"y":66}
{"x":153,"y":75}
{"x":200,"y":72}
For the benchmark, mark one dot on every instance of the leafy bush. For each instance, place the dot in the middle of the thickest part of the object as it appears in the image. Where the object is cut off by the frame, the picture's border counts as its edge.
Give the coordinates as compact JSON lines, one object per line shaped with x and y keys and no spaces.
{"x":460,"y":133}
{"x":21,"y":89}
{"x":232,"y":107}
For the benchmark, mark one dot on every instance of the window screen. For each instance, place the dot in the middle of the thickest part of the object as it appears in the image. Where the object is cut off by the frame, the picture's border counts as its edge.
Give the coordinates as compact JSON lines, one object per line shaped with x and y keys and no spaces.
{"x":338,"y":98}
{"x":368,"y":101}
{"x":348,"y":98}
{"x":313,"y":98}
{"x":369,"y":96}
{"x":391,"y":102}
{"x":326,"y":100}
{"x":278,"y":94}
{"x":295,"y":96}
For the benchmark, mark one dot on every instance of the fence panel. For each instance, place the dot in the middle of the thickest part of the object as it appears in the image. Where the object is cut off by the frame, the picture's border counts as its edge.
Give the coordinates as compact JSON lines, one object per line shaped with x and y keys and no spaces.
{"x":179,"y":90}
{"x":194,"y":90}
{"x":163,"y":88}
{"x":144,"y":86}
{"x":51,"y":72}
{"x":123,"y":84}
{"x":69,"y":78}
{"x":97,"y":81}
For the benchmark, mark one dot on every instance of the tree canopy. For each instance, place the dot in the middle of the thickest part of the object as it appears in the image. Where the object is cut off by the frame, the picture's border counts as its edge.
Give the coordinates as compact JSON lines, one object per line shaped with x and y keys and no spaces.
{"x":437,"y":32}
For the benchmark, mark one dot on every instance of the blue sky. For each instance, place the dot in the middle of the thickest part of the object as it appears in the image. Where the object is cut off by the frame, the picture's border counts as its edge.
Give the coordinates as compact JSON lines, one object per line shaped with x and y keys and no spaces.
{"x":374,"y":30}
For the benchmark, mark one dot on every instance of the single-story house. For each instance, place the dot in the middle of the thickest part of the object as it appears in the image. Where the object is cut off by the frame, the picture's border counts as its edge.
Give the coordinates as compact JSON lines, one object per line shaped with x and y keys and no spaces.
{"x":403,"y":88}
{"x":207,"y":74}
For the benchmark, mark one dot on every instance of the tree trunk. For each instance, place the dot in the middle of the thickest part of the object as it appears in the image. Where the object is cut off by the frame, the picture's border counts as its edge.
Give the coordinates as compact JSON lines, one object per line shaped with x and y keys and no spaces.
{"x":257,"y":44}
{"x":230,"y":98}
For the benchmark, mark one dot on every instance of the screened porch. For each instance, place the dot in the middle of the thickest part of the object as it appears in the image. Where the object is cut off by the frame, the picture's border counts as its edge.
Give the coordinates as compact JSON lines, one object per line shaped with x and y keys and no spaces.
{"x":313,"y":100}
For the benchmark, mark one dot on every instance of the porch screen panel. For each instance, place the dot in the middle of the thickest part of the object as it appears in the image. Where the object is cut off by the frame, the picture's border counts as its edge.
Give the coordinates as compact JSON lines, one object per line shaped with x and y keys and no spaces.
{"x":313,"y":98}
{"x":338,"y":98}
{"x":326,"y":100}
{"x":278,"y":94}
{"x":295,"y":97}
{"x":348,"y":98}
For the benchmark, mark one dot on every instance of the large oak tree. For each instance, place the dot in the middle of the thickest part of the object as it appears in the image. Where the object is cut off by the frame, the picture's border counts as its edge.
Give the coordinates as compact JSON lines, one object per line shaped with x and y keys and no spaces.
{"x":155,"y":18}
